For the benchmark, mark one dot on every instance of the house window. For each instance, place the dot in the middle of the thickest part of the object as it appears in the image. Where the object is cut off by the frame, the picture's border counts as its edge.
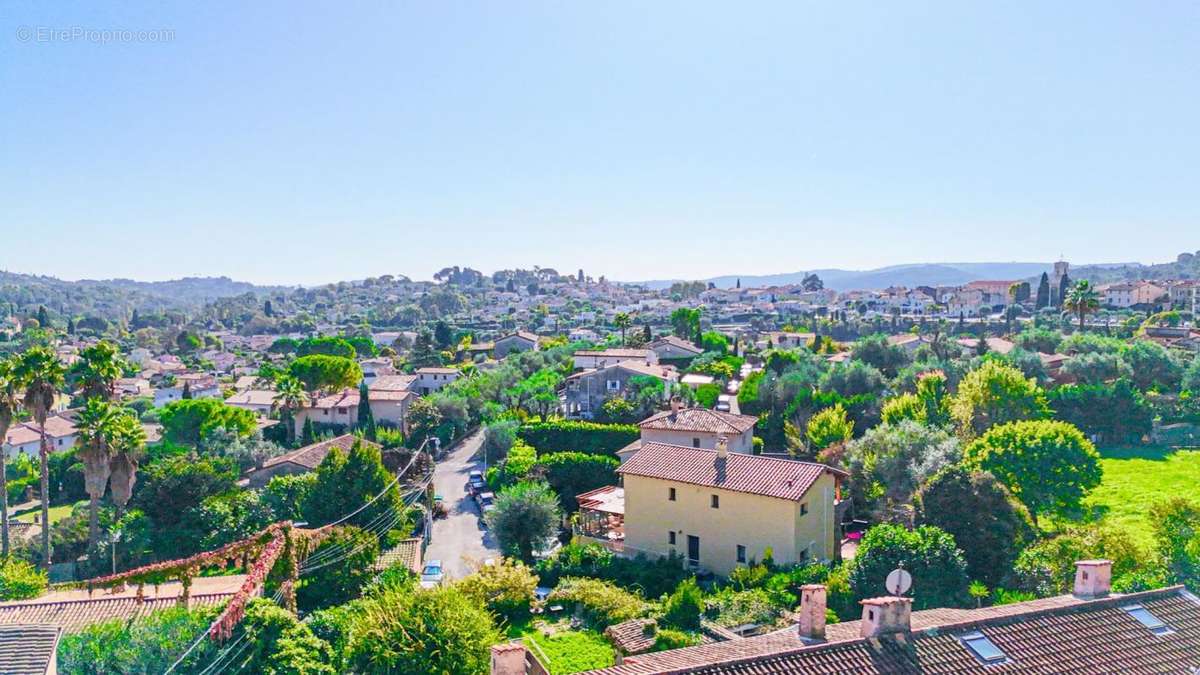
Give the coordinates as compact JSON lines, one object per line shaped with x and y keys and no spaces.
{"x":804,"y":509}
{"x":741,"y":553}
{"x":671,"y":494}
{"x":803,"y":555}
{"x":695,"y":442}
{"x":341,"y":411}
{"x":716,"y":501}
{"x":614,"y":385}
{"x":671,"y":537}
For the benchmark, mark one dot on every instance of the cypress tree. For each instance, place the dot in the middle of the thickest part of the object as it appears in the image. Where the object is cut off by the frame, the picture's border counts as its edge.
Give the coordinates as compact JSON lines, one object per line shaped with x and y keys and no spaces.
{"x":187,"y":391}
{"x":1043,"y":292}
{"x":1064,"y":287}
{"x":308,"y":435}
{"x":43,"y":317}
{"x":70,"y":326}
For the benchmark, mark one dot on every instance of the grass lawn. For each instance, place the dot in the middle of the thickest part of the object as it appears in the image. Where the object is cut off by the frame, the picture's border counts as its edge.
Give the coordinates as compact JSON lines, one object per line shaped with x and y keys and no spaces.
{"x":57,"y":513}
{"x":1135,"y":478}
{"x":565,"y":650}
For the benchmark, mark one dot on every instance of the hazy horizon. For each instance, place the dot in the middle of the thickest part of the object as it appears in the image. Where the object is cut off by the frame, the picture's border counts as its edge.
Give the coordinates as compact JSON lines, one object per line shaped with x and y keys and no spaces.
{"x":299,"y":143}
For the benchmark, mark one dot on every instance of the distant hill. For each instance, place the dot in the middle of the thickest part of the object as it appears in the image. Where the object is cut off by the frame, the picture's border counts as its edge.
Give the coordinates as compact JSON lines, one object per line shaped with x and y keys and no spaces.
{"x":920,"y":274}
{"x":116,"y":298}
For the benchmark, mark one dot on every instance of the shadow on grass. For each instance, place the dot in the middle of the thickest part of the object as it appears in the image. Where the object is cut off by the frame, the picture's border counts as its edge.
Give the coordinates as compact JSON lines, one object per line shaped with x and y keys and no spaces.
{"x":1155,"y":453}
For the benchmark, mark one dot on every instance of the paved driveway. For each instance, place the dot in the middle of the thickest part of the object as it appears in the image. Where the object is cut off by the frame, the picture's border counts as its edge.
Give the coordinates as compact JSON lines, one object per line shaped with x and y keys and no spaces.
{"x":460,"y":534}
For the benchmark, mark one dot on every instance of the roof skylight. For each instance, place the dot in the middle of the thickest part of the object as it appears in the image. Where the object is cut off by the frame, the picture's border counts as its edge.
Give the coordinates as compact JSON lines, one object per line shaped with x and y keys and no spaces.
{"x":1144,"y":617}
{"x":984,"y":649}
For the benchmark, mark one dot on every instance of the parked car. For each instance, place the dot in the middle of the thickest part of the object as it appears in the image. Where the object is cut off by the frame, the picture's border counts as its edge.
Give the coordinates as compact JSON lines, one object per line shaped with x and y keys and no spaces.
{"x":484,"y":500}
{"x":431,"y":574}
{"x":475,"y":482}
{"x":723,"y":403}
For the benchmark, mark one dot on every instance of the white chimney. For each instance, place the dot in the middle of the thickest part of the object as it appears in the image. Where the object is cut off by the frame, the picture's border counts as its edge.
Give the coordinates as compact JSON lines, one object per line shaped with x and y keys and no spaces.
{"x":885,"y":615}
{"x":812,"y":612}
{"x":722,"y":447}
{"x":1093,"y":578}
{"x":508,"y":659}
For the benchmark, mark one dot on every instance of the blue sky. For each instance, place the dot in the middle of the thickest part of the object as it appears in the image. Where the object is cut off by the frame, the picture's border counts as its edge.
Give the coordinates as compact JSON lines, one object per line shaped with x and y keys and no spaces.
{"x":292,"y":142}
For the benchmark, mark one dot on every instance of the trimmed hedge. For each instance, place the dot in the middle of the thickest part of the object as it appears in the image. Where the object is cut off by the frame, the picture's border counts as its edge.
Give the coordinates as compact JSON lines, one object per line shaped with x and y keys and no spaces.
{"x":587,"y":437}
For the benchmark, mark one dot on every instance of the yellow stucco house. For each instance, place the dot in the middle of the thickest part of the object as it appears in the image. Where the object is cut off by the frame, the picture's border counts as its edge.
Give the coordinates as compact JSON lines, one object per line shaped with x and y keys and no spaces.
{"x":720,"y":509}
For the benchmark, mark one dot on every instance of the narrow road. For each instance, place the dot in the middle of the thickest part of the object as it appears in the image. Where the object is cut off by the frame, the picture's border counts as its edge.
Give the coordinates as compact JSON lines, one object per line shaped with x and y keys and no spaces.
{"x":460,"y":535}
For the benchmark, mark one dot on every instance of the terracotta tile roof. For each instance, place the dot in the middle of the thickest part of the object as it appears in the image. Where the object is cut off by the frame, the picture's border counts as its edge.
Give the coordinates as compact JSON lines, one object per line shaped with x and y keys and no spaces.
{"x":28,"y":649}
{"x":311,"y":456}
{"x":75,"y":615}
{"x":753,"y":474}
{"x":632,"y":637}
{"x":27,"y":432}
{"x":407,"y":552}
{"x":391,"y":383}
{"x":618,"y":354}
{"x":676,"y":342}
{"x":1053,"y":635}
{"x":252,"y":397}
{"x":700,"y":419}
{"x":637,"y":367}
{"x":346,"y":398}
{"x":524,"y":335}
{"x":436,"y":371}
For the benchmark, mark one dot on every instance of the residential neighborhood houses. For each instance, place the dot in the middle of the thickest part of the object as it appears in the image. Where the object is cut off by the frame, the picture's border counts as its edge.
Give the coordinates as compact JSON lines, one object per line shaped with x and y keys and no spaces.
{"x":664,"y":479}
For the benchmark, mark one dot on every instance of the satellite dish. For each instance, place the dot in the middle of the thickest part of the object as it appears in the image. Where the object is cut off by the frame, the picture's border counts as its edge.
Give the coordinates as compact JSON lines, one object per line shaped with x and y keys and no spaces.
{"x":898,"y":581}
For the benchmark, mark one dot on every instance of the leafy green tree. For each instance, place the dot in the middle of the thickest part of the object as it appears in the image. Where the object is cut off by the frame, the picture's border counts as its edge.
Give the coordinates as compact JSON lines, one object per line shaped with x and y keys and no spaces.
{"x":149,"y":644}
{"x":190,"y":421}
{"x":319,"y":372}
{"x":538,"y":393}
{"x":876,"y":351}
{"x":903,"y":407}
{"x":987,"y":523}
{"x":708,"y":394}
{"x":281,"y":644}
{"x":599,"y":603}
{"x":1049,"y":465}
{"x":890,"y":462}
{"x":1040,"y":340}
{"x":424,"y":420}
{"x":440,"y":631}
{"x":933,"y":390}
{"x":1152,"y":366}
{"x":525,"y":519}
{"x":996,"y":393}
{"x":327,"y":346}
{"x":171,"y":487}
{"x":41,"y":376}
{"x":346,"y":481}
{"x":1191,"y":377}
{"x":829,"y":426}
{"x":333,"y":583}
{"x":1095,"y":368}
{"x":853,"y":379}
{"x":928,"y":553}
{"x":442,"y":335}
{"x":712,"y":341}
{"x":685,"y":606}
{"x":20,"y":580}
{"x":685,"y":323}
{"x":574,"y":473}
{"x":506,"y":588}
{"x":1117,"y":412}
{"x":424,"y":352}
{"x":1176,"y":526}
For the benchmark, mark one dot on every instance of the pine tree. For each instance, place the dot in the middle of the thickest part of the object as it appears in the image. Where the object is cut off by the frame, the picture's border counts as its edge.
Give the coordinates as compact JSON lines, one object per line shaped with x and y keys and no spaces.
{"x":1043,"y":293}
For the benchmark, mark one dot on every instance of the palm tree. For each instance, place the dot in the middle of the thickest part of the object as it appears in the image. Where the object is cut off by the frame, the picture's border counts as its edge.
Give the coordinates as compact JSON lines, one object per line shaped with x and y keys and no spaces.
{"x":10,"y":400}
{"x":623,"y":321}
{"x":96,"y":431}
{"x":1082,"y":299}
{"x":290,"y":395}
{"x":40,"y":375}
{"x":128,"y":442}
{"x":97,"y":371}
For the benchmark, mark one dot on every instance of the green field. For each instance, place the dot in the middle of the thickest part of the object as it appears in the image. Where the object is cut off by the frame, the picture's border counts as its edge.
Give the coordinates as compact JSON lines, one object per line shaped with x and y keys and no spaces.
{"x":57,"y":513}
{"x":1135,"y":478}
{"x":566,"y":650}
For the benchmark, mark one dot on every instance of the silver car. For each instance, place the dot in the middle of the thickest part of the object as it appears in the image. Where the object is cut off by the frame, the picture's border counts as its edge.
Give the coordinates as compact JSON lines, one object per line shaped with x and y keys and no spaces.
{"x":431,"y":574}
